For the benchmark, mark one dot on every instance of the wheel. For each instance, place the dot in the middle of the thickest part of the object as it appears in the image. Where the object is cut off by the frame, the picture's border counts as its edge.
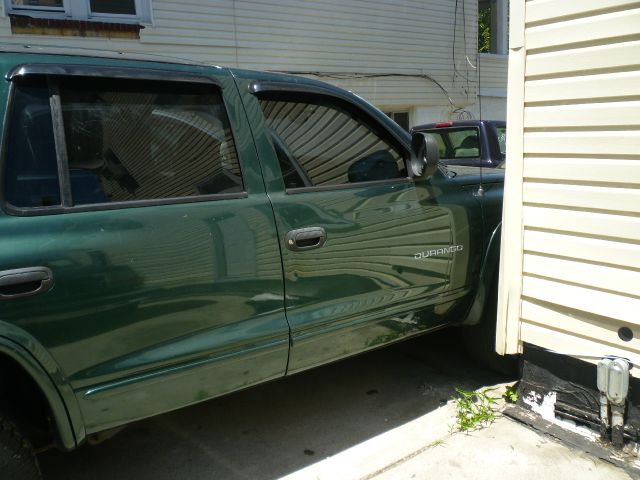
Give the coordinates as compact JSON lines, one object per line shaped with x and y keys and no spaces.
{"x":479,"y":340}
{"x":17,"y":459}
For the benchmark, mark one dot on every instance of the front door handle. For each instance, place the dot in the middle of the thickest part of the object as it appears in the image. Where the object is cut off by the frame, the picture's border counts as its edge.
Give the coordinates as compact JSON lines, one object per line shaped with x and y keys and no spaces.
{"x":24,"y":282}
{"x":305,"y":238}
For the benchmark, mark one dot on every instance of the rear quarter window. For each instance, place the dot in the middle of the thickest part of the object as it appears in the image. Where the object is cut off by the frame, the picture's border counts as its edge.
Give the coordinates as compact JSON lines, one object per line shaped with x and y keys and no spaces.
{"x":31,"y":174}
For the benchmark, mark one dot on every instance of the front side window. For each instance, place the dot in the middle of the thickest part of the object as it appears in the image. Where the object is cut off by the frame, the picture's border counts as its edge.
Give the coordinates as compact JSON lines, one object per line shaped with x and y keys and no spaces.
{"x":123,"y":141}
{"x":320,"y":143}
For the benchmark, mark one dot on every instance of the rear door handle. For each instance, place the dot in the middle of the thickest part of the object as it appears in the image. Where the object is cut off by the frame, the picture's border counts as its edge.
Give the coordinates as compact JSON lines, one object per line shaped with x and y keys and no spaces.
{"x":305,"y":238}
{"x":24,"y":282}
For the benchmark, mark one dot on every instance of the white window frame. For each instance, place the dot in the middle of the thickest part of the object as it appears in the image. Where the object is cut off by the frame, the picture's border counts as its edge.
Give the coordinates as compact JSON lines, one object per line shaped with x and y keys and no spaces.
{"x":81,"y":10}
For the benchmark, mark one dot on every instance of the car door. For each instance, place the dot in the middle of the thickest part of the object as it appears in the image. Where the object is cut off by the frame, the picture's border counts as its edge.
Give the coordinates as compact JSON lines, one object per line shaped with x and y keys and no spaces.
{"x":138,"y":245}
{"x":369,"y":255}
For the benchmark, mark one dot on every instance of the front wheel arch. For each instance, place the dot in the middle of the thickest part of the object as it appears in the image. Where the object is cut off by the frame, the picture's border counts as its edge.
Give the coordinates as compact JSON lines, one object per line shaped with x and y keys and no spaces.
{"x":480,"y":340}
{"x":487,"y":281}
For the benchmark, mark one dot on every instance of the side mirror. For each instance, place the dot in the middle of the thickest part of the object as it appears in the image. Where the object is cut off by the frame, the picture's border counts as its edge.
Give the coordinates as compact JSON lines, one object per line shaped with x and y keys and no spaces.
{"x":424,"y":155}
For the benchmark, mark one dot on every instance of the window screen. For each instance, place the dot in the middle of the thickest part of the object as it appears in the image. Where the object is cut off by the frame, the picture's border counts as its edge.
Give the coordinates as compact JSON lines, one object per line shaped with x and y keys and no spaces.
{"x":125,"y":140}
{"x":401,"y":118}
{"x":320,"y":143}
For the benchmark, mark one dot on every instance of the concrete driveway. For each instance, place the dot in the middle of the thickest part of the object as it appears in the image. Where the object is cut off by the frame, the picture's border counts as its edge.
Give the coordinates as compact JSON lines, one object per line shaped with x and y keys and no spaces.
{"x":379,"y":415}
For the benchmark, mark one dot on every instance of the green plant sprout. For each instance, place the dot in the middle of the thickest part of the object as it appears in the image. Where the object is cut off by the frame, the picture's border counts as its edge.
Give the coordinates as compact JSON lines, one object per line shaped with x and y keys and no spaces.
{"x":474,"y":410}
{"x":511,"y":394}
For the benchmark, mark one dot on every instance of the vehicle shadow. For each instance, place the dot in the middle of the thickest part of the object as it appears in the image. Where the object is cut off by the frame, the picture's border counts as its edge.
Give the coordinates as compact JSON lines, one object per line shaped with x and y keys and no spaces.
{"x":280,"y":427}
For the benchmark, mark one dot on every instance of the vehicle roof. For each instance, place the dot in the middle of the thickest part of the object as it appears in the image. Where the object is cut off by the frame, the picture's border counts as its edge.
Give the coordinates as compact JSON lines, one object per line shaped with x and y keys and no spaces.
{"x":458,"y":123}
{"x":88,"y":52}
{"x":47,"y":54}
{"x":150,"y":60}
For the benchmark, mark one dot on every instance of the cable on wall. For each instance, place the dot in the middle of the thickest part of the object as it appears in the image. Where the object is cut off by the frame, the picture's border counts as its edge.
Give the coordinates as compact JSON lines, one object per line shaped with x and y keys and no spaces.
{"x":458,"y":110}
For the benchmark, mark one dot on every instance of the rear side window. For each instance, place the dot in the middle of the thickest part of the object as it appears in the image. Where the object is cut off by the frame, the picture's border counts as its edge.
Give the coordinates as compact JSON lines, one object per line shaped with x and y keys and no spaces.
{"x":122,"y":141}
{"x":322,"y":143}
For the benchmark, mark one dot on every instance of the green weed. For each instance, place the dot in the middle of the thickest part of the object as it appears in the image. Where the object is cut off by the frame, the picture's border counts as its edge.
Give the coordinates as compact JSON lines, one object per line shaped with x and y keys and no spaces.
{"x":511,"y":394}
{"x":474,"y":410}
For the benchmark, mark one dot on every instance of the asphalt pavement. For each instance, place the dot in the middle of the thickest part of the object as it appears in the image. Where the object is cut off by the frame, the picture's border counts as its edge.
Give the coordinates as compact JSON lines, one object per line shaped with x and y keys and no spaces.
{"x":386,"y":414}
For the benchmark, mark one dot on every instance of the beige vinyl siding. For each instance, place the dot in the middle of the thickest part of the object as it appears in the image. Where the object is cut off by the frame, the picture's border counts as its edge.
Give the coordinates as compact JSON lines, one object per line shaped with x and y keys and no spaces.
{"x":370,"y":37}
{"x":570,"y":265}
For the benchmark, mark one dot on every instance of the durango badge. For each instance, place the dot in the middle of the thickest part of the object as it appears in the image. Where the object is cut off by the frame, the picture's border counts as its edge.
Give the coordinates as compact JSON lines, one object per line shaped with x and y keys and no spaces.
{"x":438,"y":251}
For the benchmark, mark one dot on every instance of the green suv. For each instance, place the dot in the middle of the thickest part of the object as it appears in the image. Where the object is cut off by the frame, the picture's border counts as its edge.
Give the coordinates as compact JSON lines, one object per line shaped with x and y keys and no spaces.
{"x":170,"y":233}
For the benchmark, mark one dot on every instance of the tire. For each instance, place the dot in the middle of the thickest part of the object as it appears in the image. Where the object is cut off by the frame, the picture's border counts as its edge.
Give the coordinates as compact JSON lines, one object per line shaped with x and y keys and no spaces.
{"x":17,"y":459}
{"x":480,"y":340}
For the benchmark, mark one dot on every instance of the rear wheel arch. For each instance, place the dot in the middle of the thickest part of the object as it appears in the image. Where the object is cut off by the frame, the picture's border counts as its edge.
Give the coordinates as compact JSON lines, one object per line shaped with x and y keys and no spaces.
{"x":20,"y":364}
{"x":17,"y":457}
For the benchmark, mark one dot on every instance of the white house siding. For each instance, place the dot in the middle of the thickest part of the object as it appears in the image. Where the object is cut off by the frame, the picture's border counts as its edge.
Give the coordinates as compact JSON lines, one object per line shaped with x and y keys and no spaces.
{"x":492,"y":89}
{"x":355,"y":44}
{"x":570,"y":266}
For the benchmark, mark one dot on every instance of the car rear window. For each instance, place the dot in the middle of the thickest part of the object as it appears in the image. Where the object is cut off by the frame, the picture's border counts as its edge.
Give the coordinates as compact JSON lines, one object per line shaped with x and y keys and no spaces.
{"x":456,"y":143}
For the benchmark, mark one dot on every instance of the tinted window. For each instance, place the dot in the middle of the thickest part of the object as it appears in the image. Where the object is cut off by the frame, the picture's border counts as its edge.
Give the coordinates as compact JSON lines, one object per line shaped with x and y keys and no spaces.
{"x":31,"y":175}
{"x":320,"y":143}
{"x":140,"y":141}
{"x":124,"y":141}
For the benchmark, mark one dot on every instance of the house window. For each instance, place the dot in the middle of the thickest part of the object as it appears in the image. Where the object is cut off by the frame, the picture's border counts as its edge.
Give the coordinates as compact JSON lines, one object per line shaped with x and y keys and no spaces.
{"x":401,"y":118}
{"x":492,"y":26}
{"x":97,"y":10}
